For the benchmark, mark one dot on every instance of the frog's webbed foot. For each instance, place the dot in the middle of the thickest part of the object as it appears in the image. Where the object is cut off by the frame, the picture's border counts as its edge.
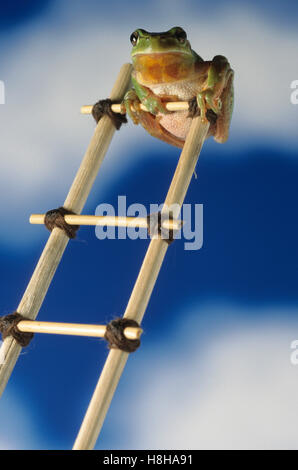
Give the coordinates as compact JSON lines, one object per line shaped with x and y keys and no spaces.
{"x":155,"y":104}
{"x":207,"y":100}
{"x":131,"y":105}
{"x":102,"y":108}
{"x":194,"y":110}
{"x":210,"y":95}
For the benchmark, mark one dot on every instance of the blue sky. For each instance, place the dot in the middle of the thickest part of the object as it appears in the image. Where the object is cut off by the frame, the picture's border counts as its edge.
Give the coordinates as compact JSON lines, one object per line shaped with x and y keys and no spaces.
{"x":214,"y":368}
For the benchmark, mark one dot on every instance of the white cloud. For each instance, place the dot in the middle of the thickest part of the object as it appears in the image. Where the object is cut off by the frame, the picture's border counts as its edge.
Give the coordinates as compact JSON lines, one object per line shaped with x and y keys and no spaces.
{"x":70,"y":57}
{"x":19,"y":428}
{"x":222,"y":381}
{"x":219,"y":378}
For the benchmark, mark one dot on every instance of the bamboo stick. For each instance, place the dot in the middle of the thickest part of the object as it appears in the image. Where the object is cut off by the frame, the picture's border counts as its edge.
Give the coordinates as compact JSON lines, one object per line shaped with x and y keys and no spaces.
{"x":75,"y":329}
{"x":53,"y":251}
{"x":142,"y":290}
{"x":108,"y":220}
{"x":117,"y":108}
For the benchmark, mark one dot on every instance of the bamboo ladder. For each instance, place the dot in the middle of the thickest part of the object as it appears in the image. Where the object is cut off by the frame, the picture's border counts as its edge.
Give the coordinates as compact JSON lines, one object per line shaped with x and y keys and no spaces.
{"x":45,"y":269}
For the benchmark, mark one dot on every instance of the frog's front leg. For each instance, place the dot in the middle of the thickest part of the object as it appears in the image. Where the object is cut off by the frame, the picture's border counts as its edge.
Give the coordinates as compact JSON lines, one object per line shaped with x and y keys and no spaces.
{"x":210,"y":96}
{"x":141,"y":94}
{"x":131,"y":105}
{"x":152,"y":102}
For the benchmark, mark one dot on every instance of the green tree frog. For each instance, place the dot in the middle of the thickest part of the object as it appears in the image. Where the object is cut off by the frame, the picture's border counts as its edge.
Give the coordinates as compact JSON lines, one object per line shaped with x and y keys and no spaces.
{"x":165,"y":68}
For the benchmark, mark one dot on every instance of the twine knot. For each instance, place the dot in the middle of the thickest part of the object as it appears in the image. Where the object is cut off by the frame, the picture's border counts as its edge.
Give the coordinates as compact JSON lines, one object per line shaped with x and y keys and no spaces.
{"x":103,"y":107}
{"x":155,"y":228}
{"x":55,"y":218}
{"x":115,"y":335}
{"x":8,"y":327}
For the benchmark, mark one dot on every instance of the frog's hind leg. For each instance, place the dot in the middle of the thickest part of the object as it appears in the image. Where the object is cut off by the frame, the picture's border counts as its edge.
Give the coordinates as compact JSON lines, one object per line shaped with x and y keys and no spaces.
{"x":152,"y":125}
{"x":225,"y":115}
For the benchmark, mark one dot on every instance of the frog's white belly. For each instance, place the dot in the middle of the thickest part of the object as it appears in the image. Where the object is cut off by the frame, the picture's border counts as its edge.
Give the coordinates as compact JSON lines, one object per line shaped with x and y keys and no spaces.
{"x":185,"y":89}
{"x":178,"y":123}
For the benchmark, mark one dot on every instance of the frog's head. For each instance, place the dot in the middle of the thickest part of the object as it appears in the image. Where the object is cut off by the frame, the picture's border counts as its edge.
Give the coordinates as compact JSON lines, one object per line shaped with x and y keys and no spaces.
{"x":161,"y":57}
{"x":172,"y":41}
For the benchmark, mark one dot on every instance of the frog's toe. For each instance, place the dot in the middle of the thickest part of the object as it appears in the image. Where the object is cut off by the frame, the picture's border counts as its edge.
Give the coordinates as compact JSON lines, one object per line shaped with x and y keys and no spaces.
{"x":217,"y":105}
{"x":202,"y":104}
{"x":132,"y":107}
{"x":213,"y":102}
{"x":135,"y":118}
{"x":194,"y":111}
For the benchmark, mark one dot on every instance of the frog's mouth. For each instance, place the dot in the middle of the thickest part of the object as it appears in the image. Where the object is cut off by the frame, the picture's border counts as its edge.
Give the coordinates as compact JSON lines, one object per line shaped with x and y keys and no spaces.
{"x":161,"y":67}
{"x":175,"y":55}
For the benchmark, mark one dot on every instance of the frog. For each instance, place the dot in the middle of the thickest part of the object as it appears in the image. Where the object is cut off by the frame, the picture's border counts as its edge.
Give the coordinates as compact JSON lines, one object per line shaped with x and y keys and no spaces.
{"x":165,"y":68}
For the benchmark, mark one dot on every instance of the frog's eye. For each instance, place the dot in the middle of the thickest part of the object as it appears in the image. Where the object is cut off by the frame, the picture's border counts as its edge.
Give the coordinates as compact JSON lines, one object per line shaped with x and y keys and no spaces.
{"x":181,"y":35}
{"x":134,"y":38}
